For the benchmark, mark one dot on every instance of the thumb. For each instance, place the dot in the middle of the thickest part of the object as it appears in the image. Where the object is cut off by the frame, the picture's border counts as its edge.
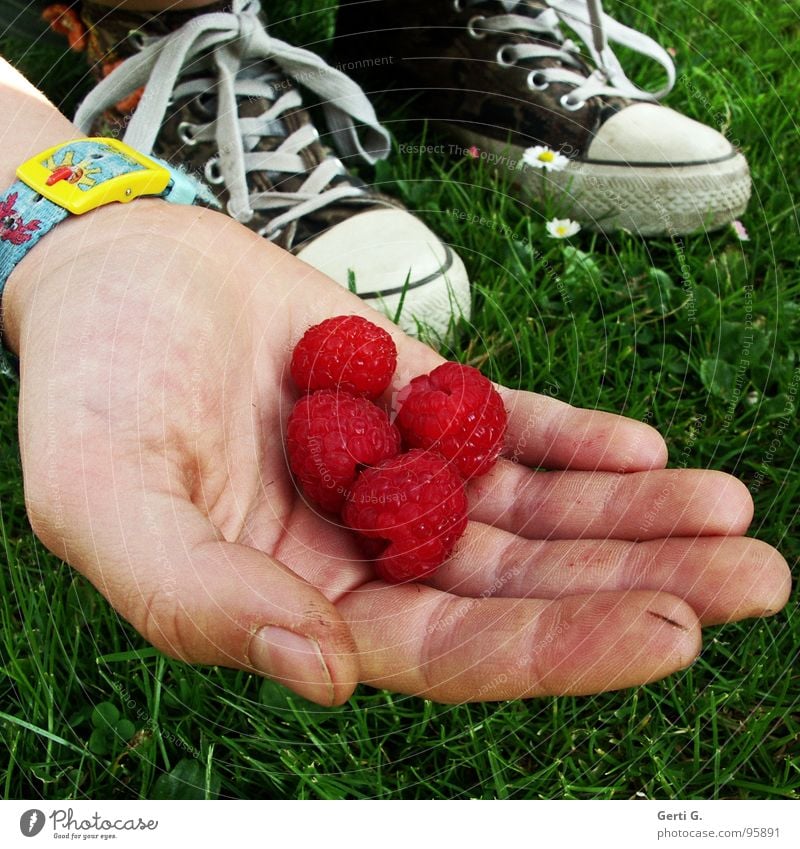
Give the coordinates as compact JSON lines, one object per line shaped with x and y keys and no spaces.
{"x":160,"y":562}
{"x":233,"y":605}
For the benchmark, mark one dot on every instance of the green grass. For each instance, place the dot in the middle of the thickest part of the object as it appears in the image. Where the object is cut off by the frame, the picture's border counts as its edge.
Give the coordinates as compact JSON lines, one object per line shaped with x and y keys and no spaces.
{"x":605,"y":322}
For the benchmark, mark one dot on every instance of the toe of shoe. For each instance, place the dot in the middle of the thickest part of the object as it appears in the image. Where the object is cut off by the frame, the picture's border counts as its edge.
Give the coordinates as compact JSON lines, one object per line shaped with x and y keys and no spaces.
{"x":656,"y":135}
{"x":654,"y":171}
{"x":393,"y":256}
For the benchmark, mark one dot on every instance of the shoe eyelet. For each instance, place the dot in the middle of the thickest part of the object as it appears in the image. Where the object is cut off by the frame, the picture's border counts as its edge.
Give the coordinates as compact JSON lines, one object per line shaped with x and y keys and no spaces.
{"x":186,"y":133}
{"x":136,"y":38}
{"x":501,"y":57}
{"x":471,"y":31}
{"x":212,"y":172}
{"x":459,"y":5}
{"x":201,"y":103}
{"x":571,"y":105}
{"x":537,"y":81}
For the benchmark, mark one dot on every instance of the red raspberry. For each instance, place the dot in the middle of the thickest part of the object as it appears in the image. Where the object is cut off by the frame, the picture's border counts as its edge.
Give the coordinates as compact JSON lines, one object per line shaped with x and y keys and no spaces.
{"x":329,"y":436}
{"x":347,"y":352}
{"x":456,"y":411}
{"x":412,"y":509}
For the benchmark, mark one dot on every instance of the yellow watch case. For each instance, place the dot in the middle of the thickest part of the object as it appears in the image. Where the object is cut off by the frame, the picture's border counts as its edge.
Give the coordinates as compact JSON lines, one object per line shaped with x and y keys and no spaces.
{"x":55,"y":175}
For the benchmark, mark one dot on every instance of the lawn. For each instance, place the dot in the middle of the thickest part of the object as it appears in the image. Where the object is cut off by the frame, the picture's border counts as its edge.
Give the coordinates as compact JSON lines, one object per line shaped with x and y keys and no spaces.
{"x":658,"y":330}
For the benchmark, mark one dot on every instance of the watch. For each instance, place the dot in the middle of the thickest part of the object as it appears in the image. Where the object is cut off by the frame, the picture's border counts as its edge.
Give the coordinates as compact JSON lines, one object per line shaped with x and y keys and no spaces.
{"x":75,"y":177}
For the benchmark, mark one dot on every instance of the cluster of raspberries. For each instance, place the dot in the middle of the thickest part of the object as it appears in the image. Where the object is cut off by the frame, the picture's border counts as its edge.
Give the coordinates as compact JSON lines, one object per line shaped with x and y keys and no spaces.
{"x":408,"y":506}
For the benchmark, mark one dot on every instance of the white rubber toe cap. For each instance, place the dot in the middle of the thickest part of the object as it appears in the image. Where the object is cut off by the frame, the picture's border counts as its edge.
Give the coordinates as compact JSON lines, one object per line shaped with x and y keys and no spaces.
{"x":649,"y":170}
{"x":386,"y":247}
{"x":653,"y":134}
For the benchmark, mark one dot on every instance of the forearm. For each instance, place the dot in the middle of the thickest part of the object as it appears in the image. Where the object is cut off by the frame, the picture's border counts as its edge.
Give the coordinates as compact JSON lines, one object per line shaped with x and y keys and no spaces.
{"x":33,"y":124}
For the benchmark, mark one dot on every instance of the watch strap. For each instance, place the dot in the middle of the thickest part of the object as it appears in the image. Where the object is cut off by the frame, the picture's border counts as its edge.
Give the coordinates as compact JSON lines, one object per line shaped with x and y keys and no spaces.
{"x":25,"y":216}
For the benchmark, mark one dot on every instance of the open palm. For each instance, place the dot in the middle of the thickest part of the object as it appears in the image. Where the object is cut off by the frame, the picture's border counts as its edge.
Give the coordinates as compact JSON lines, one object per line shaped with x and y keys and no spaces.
{"x":151,"y":423}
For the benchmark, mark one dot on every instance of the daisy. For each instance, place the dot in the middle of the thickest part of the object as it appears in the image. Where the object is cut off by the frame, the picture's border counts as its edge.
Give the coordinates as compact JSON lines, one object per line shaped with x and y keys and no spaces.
{"x":473,"y":152}
{"x":544,"y":157}
{"x":740,"y":231}
{"x":562,"y":228}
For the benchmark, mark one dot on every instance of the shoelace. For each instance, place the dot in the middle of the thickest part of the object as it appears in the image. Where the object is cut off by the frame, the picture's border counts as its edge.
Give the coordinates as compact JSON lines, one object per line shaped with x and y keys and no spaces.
{"x":596,"y":29}
{"x":225,"y":54}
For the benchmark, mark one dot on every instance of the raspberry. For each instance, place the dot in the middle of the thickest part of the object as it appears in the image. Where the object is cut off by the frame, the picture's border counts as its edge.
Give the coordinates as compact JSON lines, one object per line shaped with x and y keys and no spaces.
{"x":456,"y":411}
{"x":411,"y":509}
{"x":347,"y":352}
{"x":329,"y":437}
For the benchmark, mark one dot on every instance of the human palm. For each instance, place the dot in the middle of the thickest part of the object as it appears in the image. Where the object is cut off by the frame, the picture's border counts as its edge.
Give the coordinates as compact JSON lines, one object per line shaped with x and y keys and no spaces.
{"x":151,"y":421}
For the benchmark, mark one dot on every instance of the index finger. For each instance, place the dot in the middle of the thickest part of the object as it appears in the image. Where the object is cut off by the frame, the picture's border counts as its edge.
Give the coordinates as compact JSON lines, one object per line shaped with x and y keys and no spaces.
{"x":544,"y":431}
{"x":547,"y":432}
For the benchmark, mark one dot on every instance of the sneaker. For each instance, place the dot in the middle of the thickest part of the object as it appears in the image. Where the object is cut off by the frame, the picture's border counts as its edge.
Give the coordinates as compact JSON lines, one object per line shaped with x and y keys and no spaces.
{"x":505,"y":78}
{"x":215,"y":93}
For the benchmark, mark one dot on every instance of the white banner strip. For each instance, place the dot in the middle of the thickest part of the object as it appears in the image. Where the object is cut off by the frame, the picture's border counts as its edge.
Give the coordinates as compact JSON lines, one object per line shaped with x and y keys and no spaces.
{"x":401,"y":825}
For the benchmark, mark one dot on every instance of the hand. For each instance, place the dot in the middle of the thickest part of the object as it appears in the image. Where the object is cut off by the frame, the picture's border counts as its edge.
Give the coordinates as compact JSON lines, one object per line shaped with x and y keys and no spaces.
{"x":154,"y":346}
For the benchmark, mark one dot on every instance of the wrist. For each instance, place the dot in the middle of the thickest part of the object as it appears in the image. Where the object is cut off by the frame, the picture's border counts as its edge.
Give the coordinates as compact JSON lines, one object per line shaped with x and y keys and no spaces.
{"x":78,"y":176}
{"x":72,"y":256}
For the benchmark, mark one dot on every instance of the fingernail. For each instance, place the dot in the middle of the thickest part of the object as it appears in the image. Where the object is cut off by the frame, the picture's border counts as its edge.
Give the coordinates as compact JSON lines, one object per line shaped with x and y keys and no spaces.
{"x":294,"y":661}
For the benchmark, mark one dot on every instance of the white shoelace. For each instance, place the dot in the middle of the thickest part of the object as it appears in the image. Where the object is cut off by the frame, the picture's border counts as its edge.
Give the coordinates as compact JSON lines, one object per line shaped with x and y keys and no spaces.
{"x":596,"y":29}
{"x":225,"y":54}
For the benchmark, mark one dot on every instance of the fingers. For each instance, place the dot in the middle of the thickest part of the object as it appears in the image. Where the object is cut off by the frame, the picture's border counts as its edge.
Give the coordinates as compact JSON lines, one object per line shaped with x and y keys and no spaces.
{"x":723,"y":579}
{"x":544,"y":431}
{"x":420,"y":641}
{"x":640,"y":505}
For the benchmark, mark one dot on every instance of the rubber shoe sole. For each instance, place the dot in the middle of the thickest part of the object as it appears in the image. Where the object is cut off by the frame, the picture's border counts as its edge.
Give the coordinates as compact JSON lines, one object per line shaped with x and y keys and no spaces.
{"x":648,"y":199}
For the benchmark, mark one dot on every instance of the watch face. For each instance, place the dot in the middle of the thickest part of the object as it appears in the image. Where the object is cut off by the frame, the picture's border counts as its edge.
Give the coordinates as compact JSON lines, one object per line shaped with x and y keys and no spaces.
{"x":81,"y":165}
{"x":80,"y":174}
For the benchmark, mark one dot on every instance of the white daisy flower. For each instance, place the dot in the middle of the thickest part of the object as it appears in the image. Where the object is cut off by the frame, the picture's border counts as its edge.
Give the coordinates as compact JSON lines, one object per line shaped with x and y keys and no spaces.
{"x":541,"y":156}
{"x":562,"y":228}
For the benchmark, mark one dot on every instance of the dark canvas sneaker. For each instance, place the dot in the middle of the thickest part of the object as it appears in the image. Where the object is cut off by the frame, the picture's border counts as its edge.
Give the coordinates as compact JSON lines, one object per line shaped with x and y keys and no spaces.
{"x":507,"y":78}
{"x":215,"y":93}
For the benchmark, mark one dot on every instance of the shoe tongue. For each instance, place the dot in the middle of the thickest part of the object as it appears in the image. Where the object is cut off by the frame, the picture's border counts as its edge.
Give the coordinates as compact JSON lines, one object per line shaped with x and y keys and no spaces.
{"x":303,"y":230}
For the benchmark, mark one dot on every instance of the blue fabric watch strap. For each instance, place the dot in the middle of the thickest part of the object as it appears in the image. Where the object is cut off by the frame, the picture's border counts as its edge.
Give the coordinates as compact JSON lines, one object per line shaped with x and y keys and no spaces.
{"x":25,"y":216}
